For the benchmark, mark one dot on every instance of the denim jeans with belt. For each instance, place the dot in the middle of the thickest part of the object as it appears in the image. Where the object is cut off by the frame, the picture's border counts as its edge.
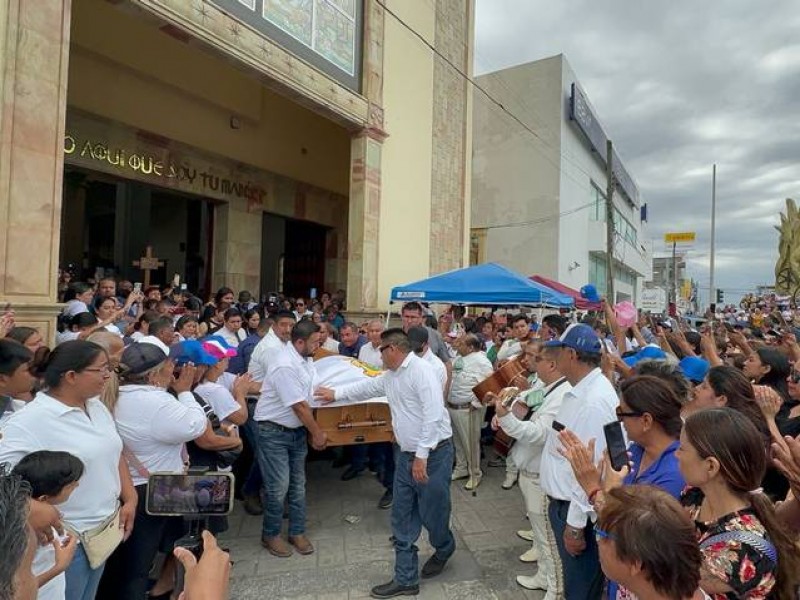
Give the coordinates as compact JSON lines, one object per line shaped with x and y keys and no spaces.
{"x":583,"y":579}
{"x":418,"y":504}
{"x":282,"y":458}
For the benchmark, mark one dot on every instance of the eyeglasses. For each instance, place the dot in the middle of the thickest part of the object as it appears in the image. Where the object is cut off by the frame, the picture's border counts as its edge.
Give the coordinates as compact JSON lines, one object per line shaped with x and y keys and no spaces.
{"x":104,"y":370}
{"x":622,"y":414}
{"x":384,"y":347}
{"x":601,"y":534}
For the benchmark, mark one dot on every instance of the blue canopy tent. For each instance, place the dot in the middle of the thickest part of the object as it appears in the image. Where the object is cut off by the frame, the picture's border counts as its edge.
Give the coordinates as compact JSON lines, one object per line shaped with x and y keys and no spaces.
{"x":489,"y":284}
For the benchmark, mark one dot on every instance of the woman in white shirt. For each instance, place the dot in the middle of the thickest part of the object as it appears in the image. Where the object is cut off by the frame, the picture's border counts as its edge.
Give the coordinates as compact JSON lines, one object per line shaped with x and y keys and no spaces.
{"x":229,"y":402}
{"x":69,"y":417}
{"x":232,"y":331}
{"x":106,"y":310}
{"x":154,"y":426}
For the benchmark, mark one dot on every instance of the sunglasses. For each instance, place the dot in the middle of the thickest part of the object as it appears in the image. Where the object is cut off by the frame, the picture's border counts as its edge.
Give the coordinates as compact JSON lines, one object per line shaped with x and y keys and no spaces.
{"x":622,"y":414}
{"x":794,"y":377}
{"x":384,"y":347}
{"x":601,"y":534}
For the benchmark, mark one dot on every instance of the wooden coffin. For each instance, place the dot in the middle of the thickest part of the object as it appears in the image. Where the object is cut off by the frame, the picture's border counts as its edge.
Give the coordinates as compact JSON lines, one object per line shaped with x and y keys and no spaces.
{"x":362,"y":423}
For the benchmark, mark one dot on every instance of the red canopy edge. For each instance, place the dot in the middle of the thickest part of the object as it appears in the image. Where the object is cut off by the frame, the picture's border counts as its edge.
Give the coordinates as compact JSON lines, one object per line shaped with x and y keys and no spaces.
{"x":581,"y":303}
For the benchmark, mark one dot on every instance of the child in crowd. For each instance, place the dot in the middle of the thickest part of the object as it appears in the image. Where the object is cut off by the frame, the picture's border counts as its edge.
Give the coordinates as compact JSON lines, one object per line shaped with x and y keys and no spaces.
{"x":53,"y":476}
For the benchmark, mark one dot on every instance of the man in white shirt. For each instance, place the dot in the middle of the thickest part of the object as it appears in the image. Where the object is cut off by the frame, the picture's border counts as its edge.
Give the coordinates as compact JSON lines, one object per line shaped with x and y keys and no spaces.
{"x":466,"y":411}
{"x":326,"y":339}
{"x":521,"y":332}
{"x":370,"y":353}
{"x":424,"y":459}
{"x":418,"y":338}
{"x":278,"y":336}
{"x":285,"y":421}
{"x":590,"y":404}
{"x":530,"y":435}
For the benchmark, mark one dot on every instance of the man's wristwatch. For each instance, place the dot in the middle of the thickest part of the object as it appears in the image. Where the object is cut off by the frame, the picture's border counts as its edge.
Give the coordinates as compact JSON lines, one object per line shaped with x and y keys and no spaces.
{"x":573,"y":532}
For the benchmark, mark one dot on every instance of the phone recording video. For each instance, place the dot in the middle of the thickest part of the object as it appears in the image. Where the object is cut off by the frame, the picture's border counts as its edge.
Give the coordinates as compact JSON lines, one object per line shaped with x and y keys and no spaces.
{"x":615,"y":445}
{"x":176,"y":494}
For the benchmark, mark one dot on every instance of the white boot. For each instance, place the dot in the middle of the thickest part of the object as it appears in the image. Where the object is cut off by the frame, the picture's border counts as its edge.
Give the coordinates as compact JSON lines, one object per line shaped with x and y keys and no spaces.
{"x":531,"y":556}
{"x":532,"y":583}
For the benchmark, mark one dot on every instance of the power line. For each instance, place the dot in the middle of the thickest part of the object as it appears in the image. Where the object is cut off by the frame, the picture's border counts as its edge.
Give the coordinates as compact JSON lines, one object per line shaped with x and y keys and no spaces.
{"x":484,"y":92}
{"x":541,"y":219}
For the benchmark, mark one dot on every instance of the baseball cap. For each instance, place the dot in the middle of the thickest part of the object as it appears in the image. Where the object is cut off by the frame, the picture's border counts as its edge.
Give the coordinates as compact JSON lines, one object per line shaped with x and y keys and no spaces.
{"x":138,"y":358}
{"x":579,"y":337}
{"x":695,"y":368}
{"x":649,"y":352}
{"x":417,"y":338}
{"x":590,"y":293}
{"x":217,"y":347}
{"x":191,"y":351}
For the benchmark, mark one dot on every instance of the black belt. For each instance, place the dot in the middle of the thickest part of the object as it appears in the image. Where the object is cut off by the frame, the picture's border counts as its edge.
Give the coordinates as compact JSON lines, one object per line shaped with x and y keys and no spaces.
{"x":279,"y":426}
{"x":557,"y":500}
{"x":441,"y":444}
{"x":452,"y":406}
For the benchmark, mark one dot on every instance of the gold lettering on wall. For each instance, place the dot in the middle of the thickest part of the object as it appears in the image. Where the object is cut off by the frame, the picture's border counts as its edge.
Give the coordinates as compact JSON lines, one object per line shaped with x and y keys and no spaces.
{"x":151,"y":165}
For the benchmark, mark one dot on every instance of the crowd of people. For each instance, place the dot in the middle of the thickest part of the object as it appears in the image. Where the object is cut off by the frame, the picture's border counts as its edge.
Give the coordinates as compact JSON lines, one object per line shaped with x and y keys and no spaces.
{"x":156,"y":380}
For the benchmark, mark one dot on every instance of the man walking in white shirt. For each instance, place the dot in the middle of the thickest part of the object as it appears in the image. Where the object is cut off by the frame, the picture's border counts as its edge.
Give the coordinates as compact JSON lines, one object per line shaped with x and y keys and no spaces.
{"x":466,"y":411}
{"x":285,"y":422}
{"x":279,"y":335}
{"x":418,"y":339}
{"x":590,"y":404}
{"x":530,"y":435}
{"x":424,"y":459}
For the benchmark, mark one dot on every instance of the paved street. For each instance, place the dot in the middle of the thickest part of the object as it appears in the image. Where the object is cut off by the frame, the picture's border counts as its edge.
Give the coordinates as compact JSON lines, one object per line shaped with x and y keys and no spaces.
{"x":351,"y":558}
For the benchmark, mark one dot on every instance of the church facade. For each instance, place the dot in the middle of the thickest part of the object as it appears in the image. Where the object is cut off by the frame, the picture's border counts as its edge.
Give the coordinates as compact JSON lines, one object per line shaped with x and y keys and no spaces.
{"x":267,"y":145}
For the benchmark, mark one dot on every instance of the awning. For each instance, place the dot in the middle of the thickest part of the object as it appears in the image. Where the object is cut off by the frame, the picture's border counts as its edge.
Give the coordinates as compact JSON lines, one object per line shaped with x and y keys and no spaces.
{"x":581,"y":303}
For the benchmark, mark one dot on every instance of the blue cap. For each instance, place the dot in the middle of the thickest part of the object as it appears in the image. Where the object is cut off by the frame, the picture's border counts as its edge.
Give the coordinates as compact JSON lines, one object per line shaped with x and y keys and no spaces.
{"x":695,"y":368}
{"x":191,"y":351}
{"x":590,"y":293}
{"x":579,"y":337}
{"x":646,"y":353}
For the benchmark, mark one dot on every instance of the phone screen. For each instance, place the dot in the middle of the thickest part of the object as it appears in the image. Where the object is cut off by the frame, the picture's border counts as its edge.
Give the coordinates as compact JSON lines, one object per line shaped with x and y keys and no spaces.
{"x":137,"y":287}
{"x":615,"y":445}
{"x":176,"y":494}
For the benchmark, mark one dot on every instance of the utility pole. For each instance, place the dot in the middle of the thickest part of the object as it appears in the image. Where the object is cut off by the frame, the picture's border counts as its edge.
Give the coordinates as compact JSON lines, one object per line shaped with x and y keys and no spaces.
{"x":713,"y":292}
{"x":610,"y":222}
{"x":675,"y":275}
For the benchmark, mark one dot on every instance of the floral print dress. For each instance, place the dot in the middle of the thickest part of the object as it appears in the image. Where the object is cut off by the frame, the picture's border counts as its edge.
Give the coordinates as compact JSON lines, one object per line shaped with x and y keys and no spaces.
{"x":746,"y":570}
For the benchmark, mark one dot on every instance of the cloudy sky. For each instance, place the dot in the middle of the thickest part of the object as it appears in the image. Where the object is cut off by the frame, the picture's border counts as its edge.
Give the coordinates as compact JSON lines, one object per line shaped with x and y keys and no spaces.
{"x":679,"y":86}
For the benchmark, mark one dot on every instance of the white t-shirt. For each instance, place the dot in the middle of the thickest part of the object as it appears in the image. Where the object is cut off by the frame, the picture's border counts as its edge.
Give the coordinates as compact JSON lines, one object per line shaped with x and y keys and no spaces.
{"x":75,"y":307}
{"x":9,"y":406}
{"x":371,"y":355}
{"x":47,"y":424}
{"x":154,"y":425}
{"x":219,"y":397}
{"x":289,"y":380}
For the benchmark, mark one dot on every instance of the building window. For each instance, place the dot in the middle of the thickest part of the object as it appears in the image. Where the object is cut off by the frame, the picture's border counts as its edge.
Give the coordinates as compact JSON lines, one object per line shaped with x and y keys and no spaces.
{"x":597,"y":272}
{"x":622,"y":226}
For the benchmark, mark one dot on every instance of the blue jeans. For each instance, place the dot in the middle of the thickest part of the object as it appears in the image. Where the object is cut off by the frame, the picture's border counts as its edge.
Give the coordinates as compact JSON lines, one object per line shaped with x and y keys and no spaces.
{"x":81,"y":579}
{"x":583,"y":579}
{"x":253,"y":484}
{"x":282,"y":458}
{"x":417,"y":504}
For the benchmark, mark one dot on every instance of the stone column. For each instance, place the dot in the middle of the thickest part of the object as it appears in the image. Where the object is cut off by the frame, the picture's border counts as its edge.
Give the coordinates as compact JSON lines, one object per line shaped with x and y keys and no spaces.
{"x":363,"y":226}
{"x":237,"y":247}
{"x":34,"y":53}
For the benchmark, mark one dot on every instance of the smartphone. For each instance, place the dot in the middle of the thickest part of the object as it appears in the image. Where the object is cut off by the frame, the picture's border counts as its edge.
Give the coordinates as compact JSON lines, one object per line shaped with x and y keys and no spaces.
{"x":137,"y":287}
{"x":615,"y":445}
{"x":558,"y":426}
{"x":184,"y":287}
{"x":179,"y":494}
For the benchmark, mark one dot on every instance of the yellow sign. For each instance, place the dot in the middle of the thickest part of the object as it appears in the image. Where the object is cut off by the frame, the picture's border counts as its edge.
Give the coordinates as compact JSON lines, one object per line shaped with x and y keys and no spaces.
{"x":679,"y":238}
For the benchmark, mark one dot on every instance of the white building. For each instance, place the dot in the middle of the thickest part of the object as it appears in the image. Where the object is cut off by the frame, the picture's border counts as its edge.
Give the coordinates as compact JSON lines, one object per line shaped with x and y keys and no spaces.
{"x":538,"y":189}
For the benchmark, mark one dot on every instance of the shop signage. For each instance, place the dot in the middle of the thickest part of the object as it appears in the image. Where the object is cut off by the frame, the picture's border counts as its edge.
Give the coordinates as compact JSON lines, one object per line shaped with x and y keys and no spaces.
{"x":157,"y":167}
{"x":682,"y":237}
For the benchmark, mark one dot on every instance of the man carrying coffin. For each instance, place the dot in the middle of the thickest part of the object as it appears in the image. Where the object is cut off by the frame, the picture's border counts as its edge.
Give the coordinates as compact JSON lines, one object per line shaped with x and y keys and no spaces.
{"x":424,"y":466}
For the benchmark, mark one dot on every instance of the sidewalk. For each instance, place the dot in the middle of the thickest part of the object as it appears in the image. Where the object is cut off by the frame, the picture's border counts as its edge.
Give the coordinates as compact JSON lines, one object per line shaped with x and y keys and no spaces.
{"x":351,"y":558}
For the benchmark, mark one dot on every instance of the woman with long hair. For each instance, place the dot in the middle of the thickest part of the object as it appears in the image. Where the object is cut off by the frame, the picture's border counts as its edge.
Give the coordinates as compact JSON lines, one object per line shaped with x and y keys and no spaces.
{"x":770,"y":367}
{"x":747,"y":552}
